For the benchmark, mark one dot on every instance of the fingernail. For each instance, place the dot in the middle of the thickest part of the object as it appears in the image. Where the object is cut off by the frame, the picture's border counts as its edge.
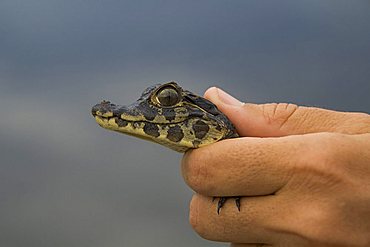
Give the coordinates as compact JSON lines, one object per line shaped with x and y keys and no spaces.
{"x":227,"y":98}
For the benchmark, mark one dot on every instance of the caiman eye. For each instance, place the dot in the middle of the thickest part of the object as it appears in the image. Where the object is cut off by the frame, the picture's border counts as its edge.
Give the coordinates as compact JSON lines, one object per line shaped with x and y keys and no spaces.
{"x":168,"y":96}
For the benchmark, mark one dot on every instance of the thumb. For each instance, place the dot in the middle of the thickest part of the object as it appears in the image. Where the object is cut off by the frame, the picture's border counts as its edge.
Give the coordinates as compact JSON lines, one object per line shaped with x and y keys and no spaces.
{"x":271,"y":120}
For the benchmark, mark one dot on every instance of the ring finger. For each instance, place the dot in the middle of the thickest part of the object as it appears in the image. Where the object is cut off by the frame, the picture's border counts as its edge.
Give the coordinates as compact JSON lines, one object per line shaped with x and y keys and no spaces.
{"x":256,"y":223}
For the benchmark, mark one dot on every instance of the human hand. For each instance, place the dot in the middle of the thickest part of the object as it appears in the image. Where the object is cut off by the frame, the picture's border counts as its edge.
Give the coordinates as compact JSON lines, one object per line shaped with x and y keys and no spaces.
{"x":306,"y":183}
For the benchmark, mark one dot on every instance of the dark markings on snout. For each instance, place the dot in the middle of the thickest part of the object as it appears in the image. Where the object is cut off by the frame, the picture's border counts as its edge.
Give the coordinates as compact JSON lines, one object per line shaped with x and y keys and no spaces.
{"x":200,"y":129}
{"x":175,"y":134}
{"x":121,"y":122}
{"x":149,"y":112}
{"x":151,"y":129}
{"x":169,"y":114}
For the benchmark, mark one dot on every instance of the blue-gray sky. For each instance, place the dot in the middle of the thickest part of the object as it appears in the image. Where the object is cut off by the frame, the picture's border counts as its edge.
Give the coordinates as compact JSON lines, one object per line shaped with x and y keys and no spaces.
{"x":66,"y":182}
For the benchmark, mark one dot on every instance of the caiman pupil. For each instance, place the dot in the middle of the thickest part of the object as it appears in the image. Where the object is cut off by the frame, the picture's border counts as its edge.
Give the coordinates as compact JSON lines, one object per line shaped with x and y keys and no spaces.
{"x":168,"y":96}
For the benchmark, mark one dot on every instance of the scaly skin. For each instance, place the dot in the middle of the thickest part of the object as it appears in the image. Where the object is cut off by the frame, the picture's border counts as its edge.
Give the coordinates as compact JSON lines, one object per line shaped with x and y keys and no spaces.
{"x":171,"y":116}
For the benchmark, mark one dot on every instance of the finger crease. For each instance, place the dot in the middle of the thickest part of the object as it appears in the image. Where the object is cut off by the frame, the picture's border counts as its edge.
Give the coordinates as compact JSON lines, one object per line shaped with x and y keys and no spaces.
{"x":289,"y":116}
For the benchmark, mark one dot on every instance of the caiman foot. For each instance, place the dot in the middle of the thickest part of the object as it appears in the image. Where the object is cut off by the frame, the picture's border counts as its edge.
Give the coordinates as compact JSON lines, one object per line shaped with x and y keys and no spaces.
{"x":222,"y":201}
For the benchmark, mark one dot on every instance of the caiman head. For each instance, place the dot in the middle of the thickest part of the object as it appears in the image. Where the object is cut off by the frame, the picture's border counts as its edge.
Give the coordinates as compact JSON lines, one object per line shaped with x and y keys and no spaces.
{"x":168,"y":115}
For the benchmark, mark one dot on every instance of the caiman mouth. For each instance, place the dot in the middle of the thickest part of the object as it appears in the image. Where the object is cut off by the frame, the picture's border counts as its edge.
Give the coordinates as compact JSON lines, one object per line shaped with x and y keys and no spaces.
{"x":109,"y":116}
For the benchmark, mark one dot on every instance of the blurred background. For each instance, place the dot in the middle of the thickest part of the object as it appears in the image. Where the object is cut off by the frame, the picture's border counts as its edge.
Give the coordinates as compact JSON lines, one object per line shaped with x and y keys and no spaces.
{"x":64,"y":181}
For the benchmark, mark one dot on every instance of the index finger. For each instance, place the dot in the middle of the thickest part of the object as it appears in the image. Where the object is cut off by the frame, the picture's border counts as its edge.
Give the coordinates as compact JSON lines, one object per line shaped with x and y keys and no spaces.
{"x":244,"y":166}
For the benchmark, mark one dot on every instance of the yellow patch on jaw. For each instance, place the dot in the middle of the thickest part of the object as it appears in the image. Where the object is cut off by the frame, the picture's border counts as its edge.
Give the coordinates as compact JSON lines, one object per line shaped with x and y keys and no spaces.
{"x":160,"y":119}
{"x":112,"y":122}
{"x":128,"y":117}
{"x":108,"y":123}
{"x":105,"y":114}
{"x":100,"y":120}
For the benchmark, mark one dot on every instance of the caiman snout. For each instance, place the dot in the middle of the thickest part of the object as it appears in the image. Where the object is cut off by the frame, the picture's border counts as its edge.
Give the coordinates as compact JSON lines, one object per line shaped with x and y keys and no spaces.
{"x":102,"y":108}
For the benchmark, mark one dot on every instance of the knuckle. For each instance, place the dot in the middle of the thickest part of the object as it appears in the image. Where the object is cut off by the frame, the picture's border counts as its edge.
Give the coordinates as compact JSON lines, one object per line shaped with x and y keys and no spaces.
{"x":193,"y":213}
{"x":268,"y":111}
{"x":322,"y":164}
{"x":332,"y":149}
{"x":278,"y":113}
{"x":194,"y":218}
{"x":195,"y":172}
{"x":319,"y":221}
{"x":323,"y":222}
{"x":326,"y":150}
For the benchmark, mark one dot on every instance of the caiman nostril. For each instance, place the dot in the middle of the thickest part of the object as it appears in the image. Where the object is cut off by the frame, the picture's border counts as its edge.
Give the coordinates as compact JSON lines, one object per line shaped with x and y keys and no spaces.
{"x":94,"y":110}
{"x":102,"y":109}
